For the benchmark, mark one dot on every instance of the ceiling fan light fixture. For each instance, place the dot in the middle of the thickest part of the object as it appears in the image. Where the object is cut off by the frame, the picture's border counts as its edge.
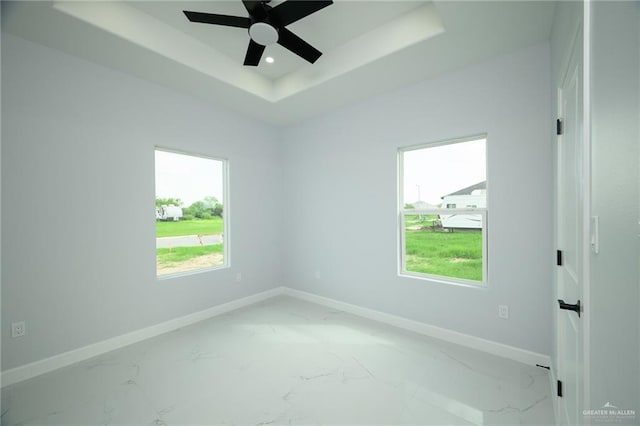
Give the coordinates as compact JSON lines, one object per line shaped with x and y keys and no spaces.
{"x":263,"y":33}
{"x":269,"y":59}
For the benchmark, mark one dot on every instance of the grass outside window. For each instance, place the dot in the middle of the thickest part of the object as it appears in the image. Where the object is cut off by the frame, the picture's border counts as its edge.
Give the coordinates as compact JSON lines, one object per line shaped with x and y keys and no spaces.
{"x":450,"y":254}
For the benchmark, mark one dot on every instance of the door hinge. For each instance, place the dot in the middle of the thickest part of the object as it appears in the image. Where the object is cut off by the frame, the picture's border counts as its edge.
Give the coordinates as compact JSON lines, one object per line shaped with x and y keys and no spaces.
{"x":559,"y":388}
{"x":559,"y":127}
{"x":569,"y":307}
{"x":559,"y":257}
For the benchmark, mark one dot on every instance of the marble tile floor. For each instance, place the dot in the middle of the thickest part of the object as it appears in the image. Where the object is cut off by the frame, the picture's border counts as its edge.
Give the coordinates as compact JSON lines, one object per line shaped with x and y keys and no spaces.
{"x":285,"y":362}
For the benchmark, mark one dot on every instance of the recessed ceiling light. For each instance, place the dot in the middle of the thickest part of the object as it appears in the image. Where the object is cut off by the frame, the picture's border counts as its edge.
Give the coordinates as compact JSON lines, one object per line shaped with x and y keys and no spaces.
{"x":269,"y":59}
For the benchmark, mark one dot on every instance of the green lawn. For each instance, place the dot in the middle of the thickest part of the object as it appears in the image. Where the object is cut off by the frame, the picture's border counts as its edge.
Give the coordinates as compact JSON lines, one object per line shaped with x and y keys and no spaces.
{"x":451,"y":254}
{"x":189,"y":227}
{"x":166,"y":256}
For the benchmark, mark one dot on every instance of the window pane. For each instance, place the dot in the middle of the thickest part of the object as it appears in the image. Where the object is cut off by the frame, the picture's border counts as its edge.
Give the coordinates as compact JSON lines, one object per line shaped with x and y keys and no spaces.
{"x":445,"y":178}
{"x":189,"y":213}
{"x":445,"y":173}
{"x":432,"y":250}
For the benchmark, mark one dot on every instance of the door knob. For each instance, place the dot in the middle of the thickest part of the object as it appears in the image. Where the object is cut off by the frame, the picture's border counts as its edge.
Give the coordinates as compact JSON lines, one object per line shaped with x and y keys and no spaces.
{"x":569,"y":307}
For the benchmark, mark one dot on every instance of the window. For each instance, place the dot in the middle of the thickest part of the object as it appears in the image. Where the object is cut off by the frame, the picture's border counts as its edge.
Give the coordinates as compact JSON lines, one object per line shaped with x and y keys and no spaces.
{"x":443,"y":211}
{"x":190,"y":213}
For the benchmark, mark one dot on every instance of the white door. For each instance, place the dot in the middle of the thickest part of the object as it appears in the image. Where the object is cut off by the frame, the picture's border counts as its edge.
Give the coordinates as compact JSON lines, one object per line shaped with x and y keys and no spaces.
{"x":570,"y":214}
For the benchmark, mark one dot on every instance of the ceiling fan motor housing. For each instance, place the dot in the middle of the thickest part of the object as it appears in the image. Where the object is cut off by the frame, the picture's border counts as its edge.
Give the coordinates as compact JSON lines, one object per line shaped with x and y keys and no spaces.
{"x":263,"y":32}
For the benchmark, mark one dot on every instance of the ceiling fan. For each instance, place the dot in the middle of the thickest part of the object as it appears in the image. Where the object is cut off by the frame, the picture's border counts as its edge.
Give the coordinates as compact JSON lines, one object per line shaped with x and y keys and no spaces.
{"x":267,"y":24}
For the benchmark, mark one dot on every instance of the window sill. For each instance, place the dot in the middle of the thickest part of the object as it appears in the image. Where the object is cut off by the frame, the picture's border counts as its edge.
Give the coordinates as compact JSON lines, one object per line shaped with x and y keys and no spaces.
{"x":188,"y":273}
{"x":480,"y":285}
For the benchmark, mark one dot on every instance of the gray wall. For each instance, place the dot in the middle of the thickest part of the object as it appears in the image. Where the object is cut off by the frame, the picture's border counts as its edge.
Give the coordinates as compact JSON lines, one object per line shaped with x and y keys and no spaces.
{"x":78,"y":237}
{"x":78,"y":142}
{"x":615,"y":139}
{"x":341,"y":197}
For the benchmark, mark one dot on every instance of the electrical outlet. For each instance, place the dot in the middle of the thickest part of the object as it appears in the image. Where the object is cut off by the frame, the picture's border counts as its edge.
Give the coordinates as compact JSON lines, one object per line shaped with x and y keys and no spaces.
{"x":18,"y":329}
{"x":503,"y":311}
{"x":317,"y":275}
{"x":239,"y":277}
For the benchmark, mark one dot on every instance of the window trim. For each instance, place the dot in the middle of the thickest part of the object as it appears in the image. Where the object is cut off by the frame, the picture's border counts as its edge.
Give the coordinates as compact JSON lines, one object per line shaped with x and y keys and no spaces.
{"x":226,"y":249}
{"x":402,"y":212}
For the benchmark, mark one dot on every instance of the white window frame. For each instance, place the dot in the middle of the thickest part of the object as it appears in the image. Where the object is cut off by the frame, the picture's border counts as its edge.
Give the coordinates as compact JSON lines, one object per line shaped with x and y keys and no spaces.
{"x":225,"y":215}
{"x":402,"y":213}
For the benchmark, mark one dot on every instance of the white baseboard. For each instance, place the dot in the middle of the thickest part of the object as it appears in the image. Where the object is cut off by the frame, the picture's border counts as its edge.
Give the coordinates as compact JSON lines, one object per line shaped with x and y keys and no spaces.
{"x":46,"y":365}
{"x":495,"y":348}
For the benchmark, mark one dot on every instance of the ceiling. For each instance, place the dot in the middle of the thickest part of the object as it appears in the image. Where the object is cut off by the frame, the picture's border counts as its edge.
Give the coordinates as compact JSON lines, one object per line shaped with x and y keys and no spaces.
{"x":369,"y":47}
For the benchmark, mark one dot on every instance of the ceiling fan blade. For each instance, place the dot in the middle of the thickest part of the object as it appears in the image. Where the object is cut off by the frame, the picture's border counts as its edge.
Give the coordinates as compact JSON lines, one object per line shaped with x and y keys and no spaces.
{"x":290,"y":41}
{"x":292,"y":10}
{"x":211,"y":18}
{"x":254,"y":53}
{"x":250,"y":5}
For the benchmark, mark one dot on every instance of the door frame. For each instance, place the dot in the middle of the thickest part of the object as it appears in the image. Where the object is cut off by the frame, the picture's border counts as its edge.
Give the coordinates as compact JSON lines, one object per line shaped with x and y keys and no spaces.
{"x":586,"y":220}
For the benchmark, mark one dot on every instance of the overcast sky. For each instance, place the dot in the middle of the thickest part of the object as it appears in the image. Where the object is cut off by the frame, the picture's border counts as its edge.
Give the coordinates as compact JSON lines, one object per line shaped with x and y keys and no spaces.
{"x":431,"y":173}
{"x":187,"y":177}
